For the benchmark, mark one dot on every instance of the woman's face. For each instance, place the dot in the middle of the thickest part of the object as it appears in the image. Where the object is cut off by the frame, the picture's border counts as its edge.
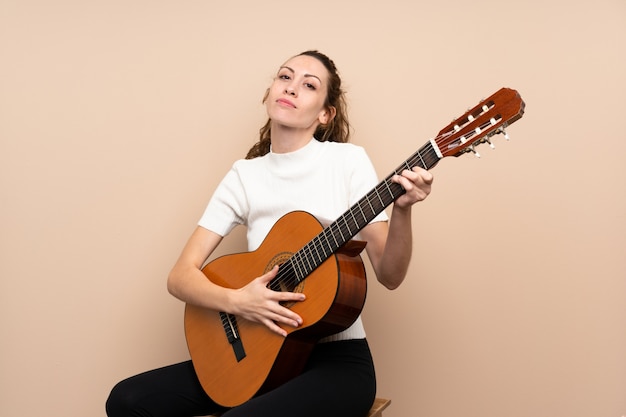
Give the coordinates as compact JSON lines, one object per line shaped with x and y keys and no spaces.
{"x":297,"y":96}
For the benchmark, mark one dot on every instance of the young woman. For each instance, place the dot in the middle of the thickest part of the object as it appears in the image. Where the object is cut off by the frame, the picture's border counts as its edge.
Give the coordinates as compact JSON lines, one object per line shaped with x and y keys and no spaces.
{"x":301,"y":162}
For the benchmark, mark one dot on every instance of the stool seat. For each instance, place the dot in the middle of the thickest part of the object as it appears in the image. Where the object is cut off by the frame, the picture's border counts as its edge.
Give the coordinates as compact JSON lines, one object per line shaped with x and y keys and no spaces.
{"x":376,"y":411}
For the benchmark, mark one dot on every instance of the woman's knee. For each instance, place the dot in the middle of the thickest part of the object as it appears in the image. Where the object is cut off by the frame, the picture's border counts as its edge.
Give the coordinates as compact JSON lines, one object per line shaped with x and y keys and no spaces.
{"x":121,"y":401}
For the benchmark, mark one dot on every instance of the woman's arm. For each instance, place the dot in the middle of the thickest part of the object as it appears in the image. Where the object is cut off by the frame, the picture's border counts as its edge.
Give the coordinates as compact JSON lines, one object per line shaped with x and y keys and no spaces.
{"x":254,"y":301}
{"x":389,"y":246}
{"x":187,"y":282}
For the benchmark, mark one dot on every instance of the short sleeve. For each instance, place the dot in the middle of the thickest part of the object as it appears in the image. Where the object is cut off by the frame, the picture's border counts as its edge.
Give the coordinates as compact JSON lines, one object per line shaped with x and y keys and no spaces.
{"x":227,"y":207}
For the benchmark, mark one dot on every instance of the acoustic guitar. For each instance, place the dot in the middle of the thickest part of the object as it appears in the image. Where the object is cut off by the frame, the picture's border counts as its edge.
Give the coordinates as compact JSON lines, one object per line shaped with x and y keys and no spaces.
{"x":236,"y":359}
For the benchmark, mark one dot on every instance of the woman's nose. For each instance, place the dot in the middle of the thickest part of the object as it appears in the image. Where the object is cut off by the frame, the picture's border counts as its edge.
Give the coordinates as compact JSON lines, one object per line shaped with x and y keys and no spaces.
{"x":290,"y":90}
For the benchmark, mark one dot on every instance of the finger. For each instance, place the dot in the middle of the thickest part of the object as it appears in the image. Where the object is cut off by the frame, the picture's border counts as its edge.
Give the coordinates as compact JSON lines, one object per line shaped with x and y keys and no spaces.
{"x":289,"y":296}
{"x":288,"y":317}
{"x":272,"y":320}
{"x":275,"y":328}
{"x":285,"y":314}
{"x":404,"y":180}
{"x":425,"y":176}
{"x":416,"y":183}
{"x":270,"y":275}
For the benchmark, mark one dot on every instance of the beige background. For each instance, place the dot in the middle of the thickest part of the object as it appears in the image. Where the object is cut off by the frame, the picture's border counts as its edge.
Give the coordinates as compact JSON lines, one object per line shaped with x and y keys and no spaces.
{"x":118,"y":118}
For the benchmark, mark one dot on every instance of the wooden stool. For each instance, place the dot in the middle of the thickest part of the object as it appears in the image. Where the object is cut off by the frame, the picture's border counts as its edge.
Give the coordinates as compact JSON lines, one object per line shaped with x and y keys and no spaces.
{"x":379,"y":405}
{"x":376,"y":411}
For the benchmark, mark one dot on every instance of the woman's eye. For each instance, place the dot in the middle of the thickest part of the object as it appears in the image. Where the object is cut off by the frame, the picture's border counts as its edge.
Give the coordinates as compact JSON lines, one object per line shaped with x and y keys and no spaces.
{"x":311,"y":86}
{"x":284,"y":77}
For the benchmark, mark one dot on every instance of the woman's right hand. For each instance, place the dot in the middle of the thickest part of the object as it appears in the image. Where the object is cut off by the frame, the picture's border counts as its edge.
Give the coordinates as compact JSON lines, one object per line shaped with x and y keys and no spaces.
{"x":256,"y":302}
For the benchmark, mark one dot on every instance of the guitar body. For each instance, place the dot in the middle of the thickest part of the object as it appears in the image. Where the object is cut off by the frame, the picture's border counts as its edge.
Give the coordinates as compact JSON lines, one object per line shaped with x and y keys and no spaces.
{"x":335,"y":294}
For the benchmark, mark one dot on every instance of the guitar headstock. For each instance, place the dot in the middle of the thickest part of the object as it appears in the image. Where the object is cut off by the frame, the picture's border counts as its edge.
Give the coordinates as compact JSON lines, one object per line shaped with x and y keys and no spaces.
{"x":490,"y":117}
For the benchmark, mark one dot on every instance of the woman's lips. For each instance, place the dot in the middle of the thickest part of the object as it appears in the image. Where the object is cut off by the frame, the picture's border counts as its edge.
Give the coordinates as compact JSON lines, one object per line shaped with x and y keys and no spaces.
{"x":286,"y":102}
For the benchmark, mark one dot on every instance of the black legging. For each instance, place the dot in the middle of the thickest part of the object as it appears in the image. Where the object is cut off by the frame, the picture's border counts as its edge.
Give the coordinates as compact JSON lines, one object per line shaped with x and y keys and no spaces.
{"x":339,"y":381}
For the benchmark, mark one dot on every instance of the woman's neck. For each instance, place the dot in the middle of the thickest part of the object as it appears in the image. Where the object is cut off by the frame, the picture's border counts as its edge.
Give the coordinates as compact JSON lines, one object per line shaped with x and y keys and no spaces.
{"x":286,"y":139}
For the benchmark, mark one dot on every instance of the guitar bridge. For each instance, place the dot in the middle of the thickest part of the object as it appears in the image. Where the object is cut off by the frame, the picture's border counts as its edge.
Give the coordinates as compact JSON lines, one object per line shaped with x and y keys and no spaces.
{"x":229,"y":323}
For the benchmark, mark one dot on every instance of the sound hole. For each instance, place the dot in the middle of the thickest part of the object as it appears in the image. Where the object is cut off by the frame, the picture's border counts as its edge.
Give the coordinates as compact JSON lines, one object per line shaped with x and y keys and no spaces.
{"x":285,"y":280}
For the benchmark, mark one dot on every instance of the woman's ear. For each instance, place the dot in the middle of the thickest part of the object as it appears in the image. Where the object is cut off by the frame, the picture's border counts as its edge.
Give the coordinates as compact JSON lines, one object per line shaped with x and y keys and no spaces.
{"x":328,"y":114}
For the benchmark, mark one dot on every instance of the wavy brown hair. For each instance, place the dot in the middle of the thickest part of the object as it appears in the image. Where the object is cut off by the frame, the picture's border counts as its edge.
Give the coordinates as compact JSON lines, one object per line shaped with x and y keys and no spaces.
{"x":337,"y":130}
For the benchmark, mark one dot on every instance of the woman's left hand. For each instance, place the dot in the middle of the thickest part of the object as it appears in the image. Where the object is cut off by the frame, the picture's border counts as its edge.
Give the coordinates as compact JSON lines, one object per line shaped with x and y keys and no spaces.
{"x":417,"y":184}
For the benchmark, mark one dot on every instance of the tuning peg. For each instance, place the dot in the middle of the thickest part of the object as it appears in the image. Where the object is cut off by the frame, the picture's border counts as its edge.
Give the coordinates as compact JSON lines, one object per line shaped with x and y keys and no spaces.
{"x":503,"y":131}
{"x":473,"y":150}
{"x":491,"y":145}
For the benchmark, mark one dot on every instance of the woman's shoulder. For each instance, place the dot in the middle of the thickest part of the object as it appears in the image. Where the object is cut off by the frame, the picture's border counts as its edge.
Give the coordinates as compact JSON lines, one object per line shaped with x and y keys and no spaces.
{"x":344,"y":148}
{"x":347,"y":154}
{"x":244,"y":163}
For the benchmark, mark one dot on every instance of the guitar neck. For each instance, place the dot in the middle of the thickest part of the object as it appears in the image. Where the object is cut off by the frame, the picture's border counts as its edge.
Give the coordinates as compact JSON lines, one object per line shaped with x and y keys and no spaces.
{"x":338,"y":233}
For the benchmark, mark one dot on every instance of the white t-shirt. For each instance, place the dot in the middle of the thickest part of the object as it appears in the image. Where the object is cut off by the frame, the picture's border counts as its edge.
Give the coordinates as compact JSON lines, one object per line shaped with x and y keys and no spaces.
{"x":322,"y":178}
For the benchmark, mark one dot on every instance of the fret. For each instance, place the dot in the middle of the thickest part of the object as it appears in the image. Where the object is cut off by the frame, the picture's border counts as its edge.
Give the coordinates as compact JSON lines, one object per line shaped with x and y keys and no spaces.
{"x":379,"y":199}
{"x":313,"y":261}
{"x":343,"y":239}
{"x":421,"y":159}
{"x":333,"y":235}
{"x":300,"y":274}
{"x":362,"y":213}
{"x":329,"y":251}
{"x":350,"y":224}
{"x":307,"y":259}
{"x":389,"y":189}
{"x":367,"y":198}
{"x":343,"y":217}
{"x":356,"y":223}
{"x":319,"y":258}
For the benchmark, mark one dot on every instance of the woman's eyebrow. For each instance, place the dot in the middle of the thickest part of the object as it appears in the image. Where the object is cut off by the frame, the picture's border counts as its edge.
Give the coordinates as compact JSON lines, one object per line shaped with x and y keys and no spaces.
{"x":305,"y":75}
